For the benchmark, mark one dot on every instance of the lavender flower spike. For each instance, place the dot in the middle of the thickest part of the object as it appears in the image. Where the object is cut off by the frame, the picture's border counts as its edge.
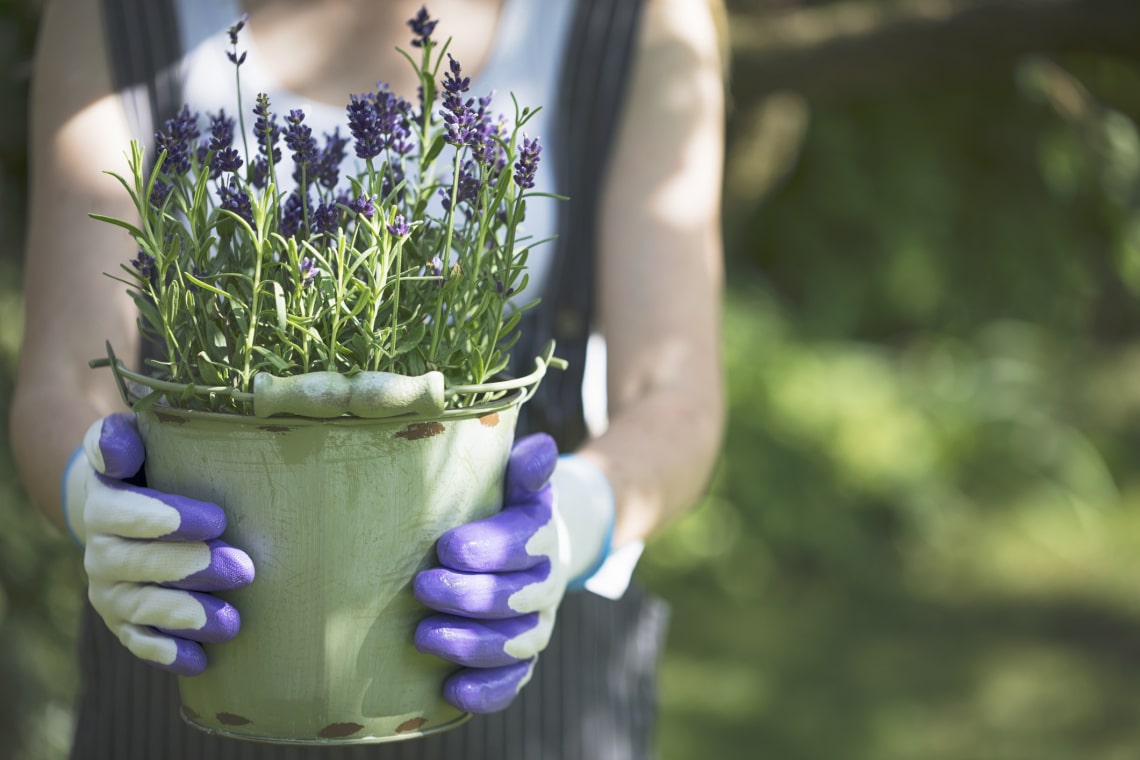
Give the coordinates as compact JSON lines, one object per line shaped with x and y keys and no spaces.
{"x":177,"y":138}
{"x":237,"y":27}
{"x":225,"y":158}
{"x":364,"y":124}
{"x":399,"y":226}
{"x":299,"y":139}
{"x":325,"y":218}
{"x":527,"y":164}
{"x":309,"y":271}
{"x":235,"y":59}
{"x":364,"y":205}
{"x":422,"y":26}
{"x":144,"y":264}
{"x":458,"y":114}
{"x":267,"y":129}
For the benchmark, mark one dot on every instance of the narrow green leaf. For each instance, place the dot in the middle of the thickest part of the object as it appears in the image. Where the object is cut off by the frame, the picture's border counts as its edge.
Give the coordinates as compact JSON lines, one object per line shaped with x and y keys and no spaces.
{"x":147,"y":401}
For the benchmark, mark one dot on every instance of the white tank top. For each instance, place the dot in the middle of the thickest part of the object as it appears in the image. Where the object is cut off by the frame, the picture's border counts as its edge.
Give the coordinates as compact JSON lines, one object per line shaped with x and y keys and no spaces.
{"x":525,"y":60}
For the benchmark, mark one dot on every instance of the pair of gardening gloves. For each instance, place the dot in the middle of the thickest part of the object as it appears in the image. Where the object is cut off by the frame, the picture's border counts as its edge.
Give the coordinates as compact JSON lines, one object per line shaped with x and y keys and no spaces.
{"x":153,"y":558}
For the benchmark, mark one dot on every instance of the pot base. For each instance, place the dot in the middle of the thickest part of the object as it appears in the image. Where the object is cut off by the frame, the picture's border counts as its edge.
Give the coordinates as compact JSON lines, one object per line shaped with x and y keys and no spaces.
{"x":337,"y":734}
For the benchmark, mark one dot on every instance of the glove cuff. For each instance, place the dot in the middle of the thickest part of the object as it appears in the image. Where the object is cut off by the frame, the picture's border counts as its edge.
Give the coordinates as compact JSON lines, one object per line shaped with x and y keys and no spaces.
{"x":73,"y":490}
{"x":587,"y":507}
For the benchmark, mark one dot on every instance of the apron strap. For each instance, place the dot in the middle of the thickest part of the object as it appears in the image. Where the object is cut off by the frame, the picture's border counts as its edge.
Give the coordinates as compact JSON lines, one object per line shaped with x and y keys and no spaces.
{"x":595,"y":75}
{"x":145,"y":47}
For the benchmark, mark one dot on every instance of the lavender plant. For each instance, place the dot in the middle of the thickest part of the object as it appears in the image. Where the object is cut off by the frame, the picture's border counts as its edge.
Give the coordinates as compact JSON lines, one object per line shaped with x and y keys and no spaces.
{"x":406,"y":263}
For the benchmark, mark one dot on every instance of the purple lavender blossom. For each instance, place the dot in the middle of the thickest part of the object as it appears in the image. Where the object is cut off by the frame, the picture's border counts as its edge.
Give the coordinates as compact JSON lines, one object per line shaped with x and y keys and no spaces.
{"x":327,"y":167}
{"x":225,"y":160}
{"x":395,"y":119}
{"x":364,"y":124}
{"x":309,"y":271}
{"x":299,"y":139}
{"x":159,"y":193}
{"x":225,"y":157}
{"x":468,"y":187}
{"x":422,"y":26}
{"x":221,"y":130}
{"x":325,"y":219}
{"x":237,"y":27}
{"x":487,"y":136}
{"x":236,"y":200}
{"x":364,"y":205}
{"x":399,"y":226}
{"x":235,"y":59}
{"x":435,"y":268}
{"x":379,"y":121}
{"x":292,"y":215}
{"x":259,"y":173}
{"x":458,"y":117}
{"x":177,"y":137}
{"x":267,"y":129}
{"x":527,"y":164}
{"x":144,"y":265}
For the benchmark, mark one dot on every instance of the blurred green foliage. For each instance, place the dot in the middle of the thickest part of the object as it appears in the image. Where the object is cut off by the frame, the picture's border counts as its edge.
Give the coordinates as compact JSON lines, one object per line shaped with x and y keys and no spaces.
{"x":923,"y":535}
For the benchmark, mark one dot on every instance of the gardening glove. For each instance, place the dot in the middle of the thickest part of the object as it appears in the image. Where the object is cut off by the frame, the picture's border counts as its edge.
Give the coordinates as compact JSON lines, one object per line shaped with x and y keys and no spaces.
{"x":502,"y":578}
{"x":150,"y":557}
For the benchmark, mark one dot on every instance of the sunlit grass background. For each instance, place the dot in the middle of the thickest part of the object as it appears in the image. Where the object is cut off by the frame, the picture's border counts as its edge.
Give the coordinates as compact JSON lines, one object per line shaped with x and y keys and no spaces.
{"x":923,"y":540}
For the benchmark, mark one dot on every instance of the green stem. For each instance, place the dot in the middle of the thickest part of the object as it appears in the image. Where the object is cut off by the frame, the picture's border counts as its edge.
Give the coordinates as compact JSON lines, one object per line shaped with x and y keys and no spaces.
{"x":241,"y":111}
{"x":330,"y":361}
{"x":254,"y":314}
{"x":396,"y":298}
{"x":437,"y":326}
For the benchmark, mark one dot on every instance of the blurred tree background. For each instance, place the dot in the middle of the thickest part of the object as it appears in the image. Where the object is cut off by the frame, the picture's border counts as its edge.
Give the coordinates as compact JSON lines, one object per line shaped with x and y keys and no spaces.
{"x":923,"y":540}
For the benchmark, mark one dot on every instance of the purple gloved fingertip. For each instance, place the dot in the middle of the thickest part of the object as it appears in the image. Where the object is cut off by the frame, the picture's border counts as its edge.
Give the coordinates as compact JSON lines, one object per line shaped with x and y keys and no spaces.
{"x":120,"y":446}
{"x":469,"y":642}
{"x":198,"y":520}
{"x":229,"y":568}
{"x":498,"y":543}
{"x":223,"y":622}
{"x":189,"y":661}
{"x":486,"y":691}
{"x":475,"y":595}
{"x":530,"y":465}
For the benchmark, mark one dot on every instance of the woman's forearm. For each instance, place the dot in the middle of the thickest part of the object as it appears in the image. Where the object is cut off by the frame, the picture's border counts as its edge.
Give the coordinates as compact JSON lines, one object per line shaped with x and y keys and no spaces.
{"x":659,"y":454}
{"x":45,"y":429}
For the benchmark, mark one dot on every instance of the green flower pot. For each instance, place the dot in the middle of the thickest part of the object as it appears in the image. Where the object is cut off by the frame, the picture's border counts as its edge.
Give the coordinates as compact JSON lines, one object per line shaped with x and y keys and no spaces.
{"x":338,"y":516}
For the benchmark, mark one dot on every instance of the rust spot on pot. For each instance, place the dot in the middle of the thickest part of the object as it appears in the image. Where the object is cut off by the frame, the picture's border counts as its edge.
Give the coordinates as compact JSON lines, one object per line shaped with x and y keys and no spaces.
{"x":230,"y":719}
{"x":274,"y":428}
{"x":410,"y":725}
{"x":490,"y":420}
{"x":167,"y":417}
{"x":418,"y":430}
{"x":190,"y":712}
{"x":338,"y":730}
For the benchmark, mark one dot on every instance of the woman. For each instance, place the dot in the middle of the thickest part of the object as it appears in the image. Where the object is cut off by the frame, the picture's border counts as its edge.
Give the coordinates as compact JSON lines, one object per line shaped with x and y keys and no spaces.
{"x":653,"y":227}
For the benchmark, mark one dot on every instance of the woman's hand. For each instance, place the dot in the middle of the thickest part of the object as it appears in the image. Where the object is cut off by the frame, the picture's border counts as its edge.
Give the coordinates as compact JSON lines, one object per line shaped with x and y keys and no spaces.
{"x":501,"y":579}
{"x":151,"y":558}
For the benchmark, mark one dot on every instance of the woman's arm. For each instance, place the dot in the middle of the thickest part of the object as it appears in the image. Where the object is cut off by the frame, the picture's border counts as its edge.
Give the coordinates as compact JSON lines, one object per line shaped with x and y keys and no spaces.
{"x":660,"y":274}
{"x":78,"y":130}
